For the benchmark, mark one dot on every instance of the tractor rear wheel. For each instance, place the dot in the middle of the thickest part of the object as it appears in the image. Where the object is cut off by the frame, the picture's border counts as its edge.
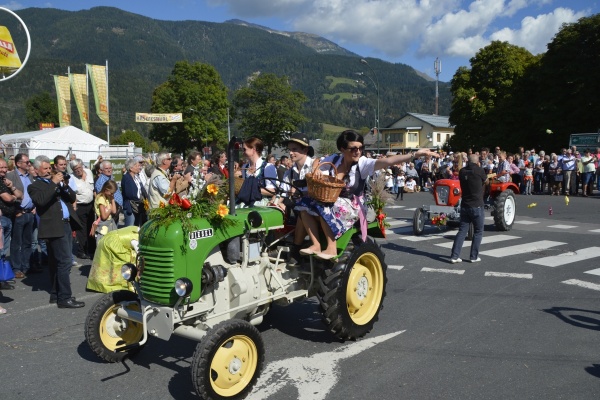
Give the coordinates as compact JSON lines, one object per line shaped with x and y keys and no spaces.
{"x":351,"y":293}
{"x":505,"y":208}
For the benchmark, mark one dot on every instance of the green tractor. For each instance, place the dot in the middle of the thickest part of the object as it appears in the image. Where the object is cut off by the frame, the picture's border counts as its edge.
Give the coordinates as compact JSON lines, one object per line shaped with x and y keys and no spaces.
{"x":223,"y":283}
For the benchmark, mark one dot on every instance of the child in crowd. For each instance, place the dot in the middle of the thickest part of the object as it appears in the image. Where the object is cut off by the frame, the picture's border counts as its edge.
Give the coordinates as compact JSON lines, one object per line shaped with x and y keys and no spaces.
{"x":400,"y":180}
{"x":410,"y":186}
{"x":105,"y":207}
{"x":528,"y":177}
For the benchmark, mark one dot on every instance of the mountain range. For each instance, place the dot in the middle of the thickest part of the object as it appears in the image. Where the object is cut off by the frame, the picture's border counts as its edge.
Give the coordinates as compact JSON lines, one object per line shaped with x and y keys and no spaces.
{"x":141,"y":53}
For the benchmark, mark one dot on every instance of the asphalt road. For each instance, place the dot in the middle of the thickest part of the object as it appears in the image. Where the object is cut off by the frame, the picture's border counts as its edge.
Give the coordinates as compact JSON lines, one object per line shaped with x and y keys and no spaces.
{"x":522,"y":324}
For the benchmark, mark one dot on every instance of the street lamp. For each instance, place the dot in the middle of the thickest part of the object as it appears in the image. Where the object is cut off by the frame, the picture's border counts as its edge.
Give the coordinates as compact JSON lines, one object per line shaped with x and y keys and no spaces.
{"x":363,"y":61}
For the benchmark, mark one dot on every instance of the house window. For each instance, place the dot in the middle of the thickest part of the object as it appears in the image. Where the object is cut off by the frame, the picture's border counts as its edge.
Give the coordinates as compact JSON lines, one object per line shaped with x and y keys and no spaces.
{"x":412,"y":137}
{"x":439,"y":137}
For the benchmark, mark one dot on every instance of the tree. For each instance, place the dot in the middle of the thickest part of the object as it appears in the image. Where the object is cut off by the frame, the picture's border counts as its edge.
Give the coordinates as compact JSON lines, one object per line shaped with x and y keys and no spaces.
{"x":41,"y":108}
{"x":269,"y":109}
{"x":326,"y":147}
{"x":478,"y":93}
{"x":196,"y":91}
{"x":131,"y":136}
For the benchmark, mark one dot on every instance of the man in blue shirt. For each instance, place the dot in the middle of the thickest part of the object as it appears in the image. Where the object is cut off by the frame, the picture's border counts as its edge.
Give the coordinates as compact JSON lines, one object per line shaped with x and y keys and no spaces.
{"x":20,"y":245}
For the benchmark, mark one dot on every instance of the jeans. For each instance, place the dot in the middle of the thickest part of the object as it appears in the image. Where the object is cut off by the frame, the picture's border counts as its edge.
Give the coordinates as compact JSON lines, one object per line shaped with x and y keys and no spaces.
{"x":469,"y":215}
{"x":60,"y":262}
{"x":395,"y":188}
{"x":539,"y":182}
{"x":20,"y":246}
{"x":129,"y":218}
{"x":39,"y":257}
{"x":7,"y":229}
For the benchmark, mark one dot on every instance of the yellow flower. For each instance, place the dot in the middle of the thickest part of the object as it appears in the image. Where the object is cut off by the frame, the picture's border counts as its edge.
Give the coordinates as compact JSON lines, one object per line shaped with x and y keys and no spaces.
{"x":146,"y":204}
{"x":212,"y":189}
{"x":223,"y":210}
{"x":161,"y":205}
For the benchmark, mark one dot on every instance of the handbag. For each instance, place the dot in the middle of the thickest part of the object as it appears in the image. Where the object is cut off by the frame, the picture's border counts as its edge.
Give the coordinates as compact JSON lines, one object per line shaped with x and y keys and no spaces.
{"x":135,"y":206}
{"x":6,"y":271}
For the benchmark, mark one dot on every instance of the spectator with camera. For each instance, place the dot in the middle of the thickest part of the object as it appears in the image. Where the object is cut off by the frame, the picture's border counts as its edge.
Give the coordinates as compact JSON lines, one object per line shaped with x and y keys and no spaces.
{"x":162,"y":184}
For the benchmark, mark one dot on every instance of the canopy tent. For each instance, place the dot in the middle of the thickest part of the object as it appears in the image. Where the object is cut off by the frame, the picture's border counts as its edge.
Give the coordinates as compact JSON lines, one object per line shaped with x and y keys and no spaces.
{"x":53,"y":142}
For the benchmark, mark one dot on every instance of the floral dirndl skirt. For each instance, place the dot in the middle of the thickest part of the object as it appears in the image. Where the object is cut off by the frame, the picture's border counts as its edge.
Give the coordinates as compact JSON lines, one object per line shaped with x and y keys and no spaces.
{"x":340,"y":216}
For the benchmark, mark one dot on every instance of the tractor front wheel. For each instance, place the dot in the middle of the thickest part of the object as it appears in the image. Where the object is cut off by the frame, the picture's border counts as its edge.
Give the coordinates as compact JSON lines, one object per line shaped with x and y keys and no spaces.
{"x":351,"y":293}
{"x":105,"y":331}
{"x":419,"y":221}
{"x":228,"y":361}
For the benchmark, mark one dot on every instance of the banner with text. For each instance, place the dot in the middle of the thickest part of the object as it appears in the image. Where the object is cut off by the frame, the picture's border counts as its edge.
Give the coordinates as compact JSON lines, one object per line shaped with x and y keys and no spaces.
{"x":63,"y":96}
{"x":9,"y":58}
{"x":158,"y":118}
{"x":100,"y":88}
{"x":80,"y":93}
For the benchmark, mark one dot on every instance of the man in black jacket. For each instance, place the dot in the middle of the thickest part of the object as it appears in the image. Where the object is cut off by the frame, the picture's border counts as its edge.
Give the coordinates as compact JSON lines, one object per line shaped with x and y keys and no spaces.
{"x":472,"y":180}
{"x":53,"y":199}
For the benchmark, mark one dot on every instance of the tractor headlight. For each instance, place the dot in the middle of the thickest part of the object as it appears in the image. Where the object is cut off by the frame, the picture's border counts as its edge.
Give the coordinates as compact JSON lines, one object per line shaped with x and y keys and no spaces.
{"x":456,"y":191}
{"x":129,"y":272}
{"x":183,"y":287}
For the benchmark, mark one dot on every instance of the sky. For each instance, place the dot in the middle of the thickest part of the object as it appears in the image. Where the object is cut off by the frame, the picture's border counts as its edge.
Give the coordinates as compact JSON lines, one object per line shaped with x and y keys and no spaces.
{"x":412,"y":32}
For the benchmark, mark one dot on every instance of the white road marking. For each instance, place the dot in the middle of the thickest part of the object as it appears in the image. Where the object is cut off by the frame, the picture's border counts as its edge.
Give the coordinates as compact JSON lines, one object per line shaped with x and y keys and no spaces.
{"x":485,"y":240}
{"x":526,"y":222}
{"x":410,"y":209}
{"x":429,"y":237}
{"x":489,"y":218}
{"x":522,"y":248}
{"x":47,"y":306}
{"x":583,"y":284}
{"x":399,"y":222}
{"x":595,"y":230}
{"x":396,"y":267}
{"x":444,"y":270}
{"x":509,"y":275}
{"x":314,"y":376}
{"x":568,"y":258}
{"x":398,"y":230}
{"x":563,"y":226}
{"x":394,"y":206}
{"x":593,"y":272}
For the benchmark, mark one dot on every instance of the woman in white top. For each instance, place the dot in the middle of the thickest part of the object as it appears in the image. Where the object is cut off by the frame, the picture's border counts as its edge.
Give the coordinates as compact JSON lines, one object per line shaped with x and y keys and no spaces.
{"x":354,"y":169}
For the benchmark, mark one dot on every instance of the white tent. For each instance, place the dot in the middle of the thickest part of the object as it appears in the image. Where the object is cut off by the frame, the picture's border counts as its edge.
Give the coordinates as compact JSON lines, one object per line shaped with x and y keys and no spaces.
{"x":53,"y":142}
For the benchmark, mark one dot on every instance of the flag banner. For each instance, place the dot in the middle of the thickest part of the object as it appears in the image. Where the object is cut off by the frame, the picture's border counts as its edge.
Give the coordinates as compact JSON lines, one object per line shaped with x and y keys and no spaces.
{"x":158,"y":118}
{"x":63,"y":95}
{"x":79,"y":88}
{"x":100,"y":89}
{"x":9,"y":58}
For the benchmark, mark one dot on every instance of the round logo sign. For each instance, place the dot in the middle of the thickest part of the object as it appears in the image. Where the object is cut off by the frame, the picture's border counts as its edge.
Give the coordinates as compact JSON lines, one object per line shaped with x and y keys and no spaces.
{"x":10,"y":62}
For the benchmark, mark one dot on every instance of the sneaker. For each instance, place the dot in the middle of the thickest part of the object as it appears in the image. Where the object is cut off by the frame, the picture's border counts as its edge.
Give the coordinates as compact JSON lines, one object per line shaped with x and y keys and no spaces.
{"x":476,"y":260}
{"x":455,"y":260}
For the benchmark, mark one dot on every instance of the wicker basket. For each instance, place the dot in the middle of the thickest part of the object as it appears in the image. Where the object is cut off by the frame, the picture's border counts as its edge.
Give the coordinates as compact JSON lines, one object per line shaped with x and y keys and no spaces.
{"x":327,"y":188}
{"x":238,"y":182}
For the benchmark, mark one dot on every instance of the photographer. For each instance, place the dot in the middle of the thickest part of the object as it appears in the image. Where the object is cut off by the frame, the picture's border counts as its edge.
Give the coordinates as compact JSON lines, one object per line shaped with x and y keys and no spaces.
{"x":182,"y":183}
{"x":162,"y":184}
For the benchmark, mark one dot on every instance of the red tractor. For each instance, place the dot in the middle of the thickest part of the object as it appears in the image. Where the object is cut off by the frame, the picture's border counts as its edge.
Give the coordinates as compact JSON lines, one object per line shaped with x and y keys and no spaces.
{"x":500,"y":198}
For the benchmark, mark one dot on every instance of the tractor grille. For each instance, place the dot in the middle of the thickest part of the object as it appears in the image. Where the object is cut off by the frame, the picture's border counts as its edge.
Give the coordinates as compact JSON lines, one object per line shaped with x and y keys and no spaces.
{"x":158,"y":277}
{"x":442,"y":193}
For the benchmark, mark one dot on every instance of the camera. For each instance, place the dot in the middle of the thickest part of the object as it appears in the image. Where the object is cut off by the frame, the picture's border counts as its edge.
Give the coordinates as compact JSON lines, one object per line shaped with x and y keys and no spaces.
{"x":66,"y":176}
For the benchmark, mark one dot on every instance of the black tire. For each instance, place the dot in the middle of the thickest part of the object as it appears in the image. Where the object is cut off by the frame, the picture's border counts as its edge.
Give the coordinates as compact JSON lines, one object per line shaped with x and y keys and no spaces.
{"x":471,"y":232}
{"x":104,"y":331}
{"x":228,"y":360}
{"x":505,"y":207}
{"x":351,"y":293}
{"x":419,"y":221}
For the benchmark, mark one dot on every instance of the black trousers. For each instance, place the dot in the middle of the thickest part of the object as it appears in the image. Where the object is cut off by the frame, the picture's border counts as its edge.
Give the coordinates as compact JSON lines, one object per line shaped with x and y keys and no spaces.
{"x":60,"y":262}
{"x":86,"y":214}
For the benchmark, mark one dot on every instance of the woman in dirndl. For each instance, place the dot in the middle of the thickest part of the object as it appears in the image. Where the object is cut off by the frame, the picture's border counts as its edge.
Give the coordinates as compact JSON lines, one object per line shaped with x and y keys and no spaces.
{"x":337,"y":217}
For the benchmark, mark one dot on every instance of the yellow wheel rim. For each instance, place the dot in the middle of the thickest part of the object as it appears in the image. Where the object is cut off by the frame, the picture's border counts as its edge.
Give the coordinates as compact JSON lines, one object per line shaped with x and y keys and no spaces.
{"x":365,"y":288}
{"x":117,"y":332}
{"x":233,"y":365}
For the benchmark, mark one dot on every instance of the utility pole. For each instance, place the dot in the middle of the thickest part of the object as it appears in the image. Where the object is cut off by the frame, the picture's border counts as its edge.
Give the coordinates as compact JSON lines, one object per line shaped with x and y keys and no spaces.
{"x":437,"y":66}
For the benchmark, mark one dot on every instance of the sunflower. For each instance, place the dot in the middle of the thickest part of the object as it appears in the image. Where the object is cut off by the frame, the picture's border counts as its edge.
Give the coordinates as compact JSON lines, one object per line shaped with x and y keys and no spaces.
{"x":223,"y":210}
{"x":212,"y":189}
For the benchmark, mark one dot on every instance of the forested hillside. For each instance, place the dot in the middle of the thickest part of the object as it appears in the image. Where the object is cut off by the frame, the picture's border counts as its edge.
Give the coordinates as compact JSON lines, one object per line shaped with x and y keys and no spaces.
{"x":141,"y":53}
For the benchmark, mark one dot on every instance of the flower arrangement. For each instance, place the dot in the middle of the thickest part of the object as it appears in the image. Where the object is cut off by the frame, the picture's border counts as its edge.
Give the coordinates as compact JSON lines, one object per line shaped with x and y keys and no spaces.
{"x":440,"y":220}
{"x":378,"y":199}
{"x":210,"y":203}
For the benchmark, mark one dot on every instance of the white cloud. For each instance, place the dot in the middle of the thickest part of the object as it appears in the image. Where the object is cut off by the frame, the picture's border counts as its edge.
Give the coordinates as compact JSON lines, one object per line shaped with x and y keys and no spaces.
{"x":13,"y":5}
{"x":536,"y":32}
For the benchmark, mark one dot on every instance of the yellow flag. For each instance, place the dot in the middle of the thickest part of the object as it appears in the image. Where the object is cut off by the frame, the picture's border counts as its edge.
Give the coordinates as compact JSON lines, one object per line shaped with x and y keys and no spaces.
{"x":80,"y":93}
{"x":100,"y":89}
{"x":9,"y":58}
{"x":63,"y":95}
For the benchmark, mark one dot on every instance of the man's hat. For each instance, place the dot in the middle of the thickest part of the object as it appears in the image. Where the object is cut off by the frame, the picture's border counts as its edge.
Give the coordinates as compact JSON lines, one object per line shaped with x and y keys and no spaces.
{"x":302,"y":140}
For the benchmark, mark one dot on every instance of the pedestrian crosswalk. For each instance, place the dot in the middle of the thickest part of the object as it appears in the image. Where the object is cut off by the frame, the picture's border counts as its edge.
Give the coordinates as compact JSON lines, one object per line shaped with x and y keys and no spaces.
{"x":503,"y":245}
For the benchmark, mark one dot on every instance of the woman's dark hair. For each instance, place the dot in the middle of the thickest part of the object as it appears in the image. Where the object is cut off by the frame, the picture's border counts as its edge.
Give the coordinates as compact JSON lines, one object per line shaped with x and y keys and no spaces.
{"x":217,"y":156}
{"x":347,"y":137}
{"x":254,"y":143}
